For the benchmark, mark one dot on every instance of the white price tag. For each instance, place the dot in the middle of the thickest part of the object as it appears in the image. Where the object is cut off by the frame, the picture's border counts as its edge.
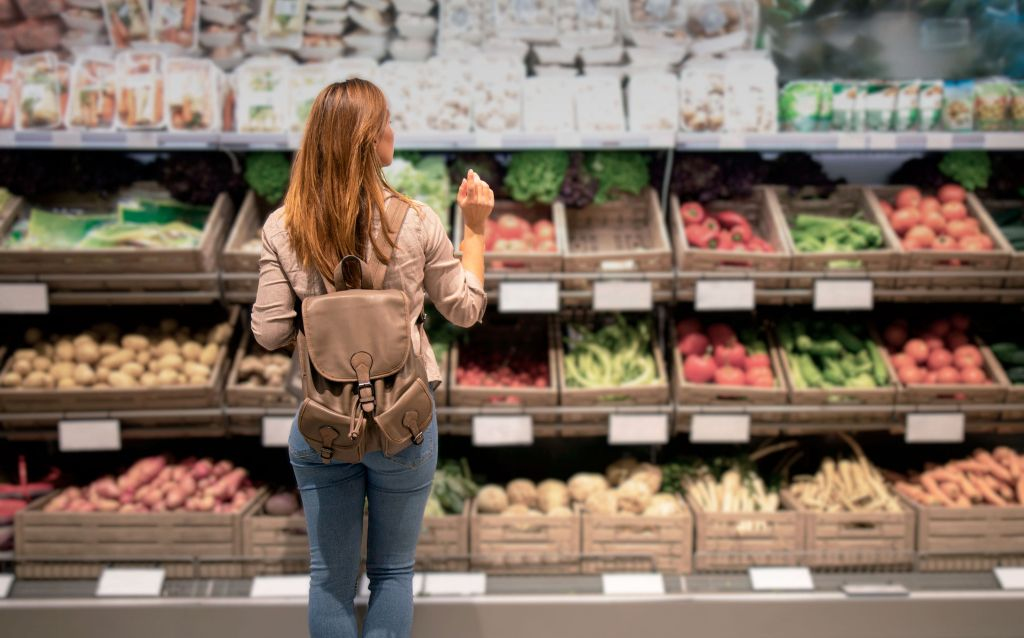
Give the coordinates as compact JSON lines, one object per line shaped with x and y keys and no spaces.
{"x":941,"y":427}
{"x":618,"y":265}
{"x":1005,"y":141}
{"x":633,"y":584}
{"x":781,"y":579}
{"x":637,"y":429}
{"x":851,"y":141}
{"x":364,"y":585}
{"x":532,"y":296}
{"x":455,"y":584}
{"x":24,"y":299}
{"x":1010,"y":577}
{"x":882,"y":141}
{"x":487,"y":140}
{"x":938,"y":141}
{"x":6,"y":583}
{"x":720,"y":428}
{"x":276,"y":430}
{"x":502,"y":430}
{"x":130,"y":582}
{"x":731,"y":141}
{"x":618,"y":296}
{"x":874,"y":590}
{"x":280,"y":587}
{"x":88,"y":436}
{"x":724,"y":295}
{"x":844,"y":294}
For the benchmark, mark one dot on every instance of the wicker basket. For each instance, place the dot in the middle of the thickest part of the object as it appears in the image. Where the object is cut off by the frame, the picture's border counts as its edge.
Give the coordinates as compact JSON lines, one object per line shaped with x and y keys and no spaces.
{"x":616,"y":543}
{"x":968,"y":539}
{"x":855,"y":539}
{"x":732,"y":542}
{"x":513,"y":262}
{"x":234,"y":260}
{"x":762,"y":220}
{"x":844,"y":203}
{"x":80,"y":545}
{"x":524,"y":544}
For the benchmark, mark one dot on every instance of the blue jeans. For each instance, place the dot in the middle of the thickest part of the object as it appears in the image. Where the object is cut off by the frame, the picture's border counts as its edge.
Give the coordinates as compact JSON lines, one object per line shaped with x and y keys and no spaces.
{"x":333,"y":496}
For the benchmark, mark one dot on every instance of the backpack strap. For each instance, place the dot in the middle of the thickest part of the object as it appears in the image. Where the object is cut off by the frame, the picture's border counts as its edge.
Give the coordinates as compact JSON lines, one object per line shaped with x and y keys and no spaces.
{"x":392,"y":218}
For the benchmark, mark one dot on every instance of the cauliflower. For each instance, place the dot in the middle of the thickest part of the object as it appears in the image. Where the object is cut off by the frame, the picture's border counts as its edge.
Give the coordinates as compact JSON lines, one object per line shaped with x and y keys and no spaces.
{"x":648,"y":473}
{"x":606,"y":502}
{"x":491,"y":499}
{"x":634,"y":496}
{"x":522,"y":492}
{"x":552,"y":494}
{"x":619,"y":471}
{"x":582,"y":485}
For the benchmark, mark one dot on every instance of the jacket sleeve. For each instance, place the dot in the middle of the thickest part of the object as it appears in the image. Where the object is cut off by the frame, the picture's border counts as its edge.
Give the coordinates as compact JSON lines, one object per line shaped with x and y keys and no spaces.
{"x":456,"y":293}
{"x":273,"y":314}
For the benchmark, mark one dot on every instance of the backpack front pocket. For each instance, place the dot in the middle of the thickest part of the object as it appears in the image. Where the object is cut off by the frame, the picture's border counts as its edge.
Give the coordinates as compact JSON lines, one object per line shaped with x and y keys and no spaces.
{"x":326,"y":431}
{"x":404,"y":422}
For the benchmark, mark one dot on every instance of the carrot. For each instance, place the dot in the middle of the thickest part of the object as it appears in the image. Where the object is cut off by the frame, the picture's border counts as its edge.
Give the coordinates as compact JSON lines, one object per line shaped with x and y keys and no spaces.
{"x":971,"y":465}
{"x":995,"y":468}
{"x":986,"y":491}
{"x":950,"y":489}
{"x":951,"y":474}
{"x":913,"y":492}
{"x":932,"y":487}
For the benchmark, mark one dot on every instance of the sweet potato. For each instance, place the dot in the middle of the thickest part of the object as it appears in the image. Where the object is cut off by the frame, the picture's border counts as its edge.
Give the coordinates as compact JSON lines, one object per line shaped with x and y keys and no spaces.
{"x":175,"y":498}
{"x":202,"y":469}
{"x":222,"y":467}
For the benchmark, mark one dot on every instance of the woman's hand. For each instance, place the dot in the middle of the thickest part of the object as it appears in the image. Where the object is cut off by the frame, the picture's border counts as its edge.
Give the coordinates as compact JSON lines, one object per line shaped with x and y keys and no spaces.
{"x":476,"y":199}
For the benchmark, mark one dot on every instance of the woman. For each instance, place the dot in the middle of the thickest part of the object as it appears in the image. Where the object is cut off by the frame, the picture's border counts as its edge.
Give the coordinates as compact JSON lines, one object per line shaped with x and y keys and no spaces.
{"x":337,"y":187}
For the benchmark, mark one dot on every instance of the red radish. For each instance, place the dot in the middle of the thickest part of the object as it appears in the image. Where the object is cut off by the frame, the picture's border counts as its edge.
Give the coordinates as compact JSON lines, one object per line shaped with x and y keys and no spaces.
{"x":972,"y":376}
{"x":952,"y":193}
{"x":692,"y":212}
{"x":967,"y":356}
{"x":908,"y":198}
{"x":895,"y":335}
{"x":721,"y":334}
{"x":917,"y":350}
{"x":730,"y":376}
{"x":938,"y":359}
{"x":956,"y":339}
{"x":948,"y":374}
{"x":699,"y":368}
{"x":929,"y":204}
{"x":693,"y":343}
{"x":910,"y":374}
{"x":687,"y":327}
{"x":734,"y":355}
{"x":759,"y":360}
{"x":954,"y":210}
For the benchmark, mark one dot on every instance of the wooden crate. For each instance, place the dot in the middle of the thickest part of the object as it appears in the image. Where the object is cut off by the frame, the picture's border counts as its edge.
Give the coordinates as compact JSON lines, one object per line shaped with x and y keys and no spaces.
{"x":994,"y":207}
{"x":736,"y":541}
{"x":239,"y":395}
{"x":956,"y":394}
{"x":201,"y":259}
{"x":235,"y":261}
{"x":968,"y":539}
{"x":541,"y":334}
{"x":518,"y":261}
{"x":762,"y":220}
{"x":444,"y":543}
{"x":275,"y":545}
{"x":524,"y":544}
{"x":1014,"y":391}
{"x":939,"y":260}
{"x":84,"y":400}
{"x":740,"y":396}
{"x":79,"y":545}
{"x":623,"y":236}
{"x":855,"y":539}
{"x":618,"y":543}
{"x":844,"y":203}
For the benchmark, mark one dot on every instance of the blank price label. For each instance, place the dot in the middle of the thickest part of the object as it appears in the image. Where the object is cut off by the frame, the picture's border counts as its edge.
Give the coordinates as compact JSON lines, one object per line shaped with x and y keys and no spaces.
{"x":89,"y":436}
{"x":632,"y":584}
{"x":869,"y":590}
{"x":24,"y":299}
{"x":523,"y":296}
{"x":781,"y":579}
{"x":724,"y":295}
{"x":844,"y":294}
{"x":1010,"y":577}
{"x":455,"y":584}
{"x":850,"y":141}
{"x":720,"y":428}
{"x":938,"y":141}
{"x":280,"y":587}
{"x":882,"y":141}
{"x":130,"y":582}
{"x":637,"y":429}
{"x":617,"y":296}
{"x":6,"y":582}
{"x":947,"y":427}
{"x":276,"y":430}
{"x":502,"y":430}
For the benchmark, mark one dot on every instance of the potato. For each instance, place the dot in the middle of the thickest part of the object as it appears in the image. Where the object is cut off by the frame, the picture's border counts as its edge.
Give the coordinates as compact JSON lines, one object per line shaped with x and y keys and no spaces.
{"x":166,"y":347}
{"x":101,"y":386}
{"x":87,"y":352}
{"x":209,"y":354}
{"x":117,"y":359}
{"x":65,"y":350}
{"x":196,"y":369}
{"x":11,"y":380}
{"x":36,"y":379}
{"x":121,"y":380}
{"x":190,"y":350}
{"x":132,"y":369}
{"x":149,"y":380}
{"x":33,"y":336}
{"x":44,"y":349}
{"x":62,"y":370}
{"x":197,"y":380}
{"x":134,"y":342}
{"x":220,"y":334}
{"x":107,"y":348}
{"x":24,"y":354}
{"x":102,"y":374}
{"x":153,"y":366}
{"x":84,"y":375}
{"x":22,"y":366}
{"x":167,"y":377}
{"x":171,"y":362}
{"x":42,"y":364}
{"x":66,"y":383}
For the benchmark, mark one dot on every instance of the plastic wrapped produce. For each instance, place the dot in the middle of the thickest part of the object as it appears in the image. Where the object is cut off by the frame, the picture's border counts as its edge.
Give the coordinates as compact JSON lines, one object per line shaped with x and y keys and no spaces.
{"x":530,"y":20}
{"x":281,"y":23}
{"x":89,"y":20}
{"x":176,"y":22}
{"x":548,"y":105}
{"x":304,"y":84}
{"x":371,"y":19}
{"x":498,"y":97}
{"x":416,"y":27}
{"x":751,"y":96}
{"x":449,"y":95}
{"x":702,"y":86}
{"x":93,"y":95}
{"x":38,"y":34}
{"x":463,"y":21}
{"x":653,"y":102}
{"x":368,"y":45}
{"x":193,"y":92}
{"x":721,"y":25}
{"x":353,"y":67}
{"x":218,"y":35}
{"x":599,"y":105}
{"x":318,"y":48}
{"x":410,"y":50}
{"x":38,"y":91}
{"x":407,"y":86}
{"x":261,"y":103}
{"x":587,"y":23}
{"x":140,"y":90}
{"x":414,"y":7}
{"x":332,"y":22}
{"x":127,"y":21}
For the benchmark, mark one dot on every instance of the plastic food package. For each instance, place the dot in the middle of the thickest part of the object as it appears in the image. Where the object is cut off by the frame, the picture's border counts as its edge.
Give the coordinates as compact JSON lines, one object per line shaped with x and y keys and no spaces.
{"x":599,"y":105}
{"x":40,"y":8}
{"x":318,"y":48}
{"x":587,"y":23}
{"x":498,"y":97}
{"x":93,"y":95}
{"x":328,"y":4}
{"x":227,"y":57}
{"x":8,"y":97}
{"x":548,"y":105}
{"x":721,"y":25}
{"x":416,"y":27}
{"x":929,"y":105}
{"x":89,"y":20}
{"x":844,"y":105}
{"x":379,"y":5}
{"x":304,"y":83}
{"x":38,"y":92}
{"x":800,"y":105}
{"x":176,"y":22}
{"x":326,"y":22}
{"x":907,"y":106}
{"x":96,"y":5}
{"x":227,"y":15}
{"x":193,"y":95}
{"x":449,"y":94}
{"x":370,"y":19}
{"x":1017,"y":106}
{"x":992,"y":104}
{"x":660,"y":14}
{"x":407,"y":86}
{"x":702,"y":85}
{"x":751,"y":96}
{"x":216,"y":35}
{"x":604,"y":55}
{"x":958,"y":105}
{"x":879,"y":105}
{"x":127,"y":21}
{"x":281,"y":23}
{"x":415,"y":7}
{"x":653,"y":102}
{"x":37,"y":34}
{"x":464,"y":21}
{"x":411,"y":50}
{"x":81,"y":43}
{"x":140,"y":90}
{"x":645,"y":59}
{"x":530,"y":20}
{"x":261,"y":101}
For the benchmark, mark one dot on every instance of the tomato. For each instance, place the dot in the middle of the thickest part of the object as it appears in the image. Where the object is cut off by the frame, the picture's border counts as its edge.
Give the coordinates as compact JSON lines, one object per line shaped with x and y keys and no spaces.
{"x":953,"y":210}
{"x":723,"y":240}
{"x":693,"y":343}
{"x":934,"y":343}
{"x":956,"y":339}
{"x":929,"y":204}
{"x":930,"y":378}
{"x":958,"y":229}
{"x":917,"y":350}
{"x":699,"y":368}
{"x":940,"y":327}
{"x":960,"y":322}
{"x":760,"y":378}
{"x":910,"y":374}
{"x":948,"y":374}
{"x":512,"y":226}
{"x":974,"y":243}
{"x":734,"y":355}
{"x":730,"y":376}
{"x":886,"y":207}
{"x":721,"y":334}
{"x":967,"y":356}
{"x":908,"y":198}
{"x":544,"y":230}
{"x":940,"y":358}
{"x":698,"y":236}
{"x":904,"y":219}
{"x":909,"y":244}
{"x":740,"y":234}
{"x":944,"y":242}
{"x":759,"y":360}
{"x":687,"y":326}
{"x":952,"y":193}
{"x":895,"y":335}
{"x":711,"y":224}
{"x":900,"y":360}
{"x":692,"y":212}
{"x":933,"y":219}
{"x":973,"y":375}
{"x":921,"y":235}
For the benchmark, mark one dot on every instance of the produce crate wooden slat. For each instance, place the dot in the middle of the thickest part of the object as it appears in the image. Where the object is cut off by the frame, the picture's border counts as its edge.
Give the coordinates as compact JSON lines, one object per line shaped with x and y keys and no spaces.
{"x":617,"y":543}
{"x":89,"y":399}
{"x":444,"y":543}
{"x":993,"y":207}
{"x":736,"y":541}
{"x":958,"y":393}
{"x":517,"y":261}
{"x":855,"y":539}
{"x":844,"y":203}
{"x":202,"y":258}
{"x":233,"y":259}
{"x":1014,"y":391}
{"x":762,"y":220}
{"x":524,"y":544}
{"x":239,"y":395}
{"x":91,"y":541}
{"x":968,"y":539}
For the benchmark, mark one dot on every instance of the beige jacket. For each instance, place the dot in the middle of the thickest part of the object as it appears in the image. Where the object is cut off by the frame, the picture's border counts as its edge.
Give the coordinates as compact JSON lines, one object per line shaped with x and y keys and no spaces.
{"x":424,"y":259}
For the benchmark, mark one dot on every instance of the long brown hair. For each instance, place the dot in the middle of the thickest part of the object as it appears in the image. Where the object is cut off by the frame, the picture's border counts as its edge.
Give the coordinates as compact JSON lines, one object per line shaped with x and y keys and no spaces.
{"x":337,"y":178}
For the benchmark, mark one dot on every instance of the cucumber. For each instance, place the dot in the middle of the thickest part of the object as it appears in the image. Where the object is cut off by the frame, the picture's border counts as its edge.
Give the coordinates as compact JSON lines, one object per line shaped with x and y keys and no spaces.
{"x":1016,"y":375}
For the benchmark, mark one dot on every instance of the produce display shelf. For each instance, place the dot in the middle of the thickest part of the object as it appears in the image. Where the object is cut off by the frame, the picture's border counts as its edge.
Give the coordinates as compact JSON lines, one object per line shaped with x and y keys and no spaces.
{"x":482,"y":141}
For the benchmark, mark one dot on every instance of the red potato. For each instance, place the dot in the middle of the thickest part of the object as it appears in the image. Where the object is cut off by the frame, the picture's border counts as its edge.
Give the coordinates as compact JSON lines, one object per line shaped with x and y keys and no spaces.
{"x":222,"y":467}
{"x":202,"y":468}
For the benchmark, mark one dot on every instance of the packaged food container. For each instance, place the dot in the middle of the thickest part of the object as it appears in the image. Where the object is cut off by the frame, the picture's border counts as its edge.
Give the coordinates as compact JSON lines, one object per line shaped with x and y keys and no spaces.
{"x":93,"y":95}
{"x":140,"y":90}
{"x":96,"y":5}
{"x":411,"y":50}
{"x":529,"y":20}
{"x":370,"y":19}
{"x":408,"y":86}
{"x":316,"y":48}
{"x":37,"y":87}
{"x":261,"y":99}
{"x":721,"y":25}
{"x":908,"y":111}
{"x":653,"y":102}
{"x":127,"y":21}
{"x":929,"y":105}
{"x":414,"y":26}
{"x":604,"y":55}
{"x":176,"y":22}
{"x":328,"y":4}
{"x":702,"y":85}
{"x":556,"y":54}
{"x":304,"y":83}
{"x":498,"y":97}
{"x":415,"y":7}
{"x":281,"y":23}
{"x":587,"y":23}
{"x":226,"y":15}
{"x":227,"y":58}
{"x":88,"y":20}
{"x":661,"y":14}
{"x":880,"y":105}
{"x":751,"y":96}
{"x":548,"y":105}
{"x":325,"y":27}
{"x":215,"y":35}
{"x":193,"y":95}
{"x":355,"y":67}
{"x":958,"y":105}
{"x":8,"y":96}
{"x":599,"y":105}
{"x":449,"y":104}
{"x":992,"y":104}
{"x":377,"y":5}
{"x":463,"y":21}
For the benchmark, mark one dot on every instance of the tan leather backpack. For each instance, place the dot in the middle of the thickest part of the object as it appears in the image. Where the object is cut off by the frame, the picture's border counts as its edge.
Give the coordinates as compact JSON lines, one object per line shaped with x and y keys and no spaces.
{"x":363,"y":387}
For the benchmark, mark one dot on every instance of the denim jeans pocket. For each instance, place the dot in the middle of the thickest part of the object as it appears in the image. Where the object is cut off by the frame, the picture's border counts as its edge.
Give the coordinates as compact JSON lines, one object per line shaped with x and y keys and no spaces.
{"x":299,"y":450}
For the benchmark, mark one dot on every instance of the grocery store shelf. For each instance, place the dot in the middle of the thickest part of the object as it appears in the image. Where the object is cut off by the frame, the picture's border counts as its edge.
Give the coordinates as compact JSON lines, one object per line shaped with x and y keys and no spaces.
{"x":839,"y":141}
